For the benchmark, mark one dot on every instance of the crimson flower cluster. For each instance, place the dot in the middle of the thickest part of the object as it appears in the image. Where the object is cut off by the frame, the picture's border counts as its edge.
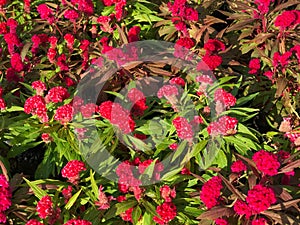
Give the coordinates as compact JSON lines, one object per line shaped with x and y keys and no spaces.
{"x":211,"y":192}
{"x":127,"y":179}
{"x":225,"y":125}
{"x":5,"y":197}
{"x":72,"y":171}
{"x":166,"y":212}
{"x":211,"y":58}
{"x":138,"y":100}
{"x":45,"y":210}
{"x":266,"y":162}
{"x":259,"y":199}
{"x":183,"y":128}
{"x":117,"y":115}
{"x":2,"y":102}
{"x":181,"y":13}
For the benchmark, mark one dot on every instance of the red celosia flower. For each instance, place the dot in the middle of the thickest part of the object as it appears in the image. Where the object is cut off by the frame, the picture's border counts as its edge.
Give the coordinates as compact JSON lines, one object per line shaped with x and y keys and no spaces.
{"x":139,"y":101}
{"x":285,"y":20}
{"x":12,"y":40}
{"x":213,"y":46}
{"x":5,"y":197}
{"x":45,"y":13}
{"x":133,"y":33}
{"x":211,"y":191}
{"x":269,"y":74}
{"x":33,"y":222}
{"x":61,"y":62}
{"x":103,"y":200}
{"x":221,"y":221}
{"x":53,"y":41}
{"x":16,"y":62}
{"x":84,"y":44}
{"x":27,"y":6}
{"x":2,"y":104}
{"x":39,"y":86}
{"x":183,"y":128}
{"x":241,"y":208}
{"x":108,"y":2}
{"x":182,"y":47}
{"x":166,"y":212}
{"x":282,"y":59}
{"x":117,"y":115}
{"x":204,"y":79}
{"x":85,"y":6}
{"x":167,"y":90}
{"x":46,"y":137}
{"x":67,"y":193}
{"x":227,"y":99}
{"x":88,"y":110}
{"x":12,"y":76}
{"x":72,"y":169}
{"x":167,"y":193}
{"x":1,"y":92}
{"x":57,"y":94}
{"x":212,"y":61}
{"x":12,"y":24}
{"x":185,"y":171}
{"x":260,"y":221}
{"x":45,"y":207}
{"x":254,"y":66}
{"x":51,"y":55}
{"x":64,"y":114}
{"x":157,"y":168}
{"x":260,"y":198}
{"x":177,"y":81}
{"x":2,"y":3}
{"x":263,"y":6}
{"x":36,"y":106}
{"x":173,"y":146}
{"x":71,"y":14}
{"x":238,"y":166}
{"x":69,"y":38}
{"x":127,"y":215}
{"x":3,"y":28}
{"x":266,"y":162}
{"x":185,"y":42}
{"x":77,"y":102}
{"x":226,"y":125}
{"x":78,"y":222}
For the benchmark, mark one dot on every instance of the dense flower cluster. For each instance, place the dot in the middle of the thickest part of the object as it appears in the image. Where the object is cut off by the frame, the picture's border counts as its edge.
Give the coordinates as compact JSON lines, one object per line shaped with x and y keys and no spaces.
{"x":129,"y":181}
{"x":36,"y":105}
{"x":45,"y":210}
{"x":72,"y":169}
{"x":238,"y":167}
{"x":182,"y":47}
{"x":5,"y":197}
{"x":167,"y":212}
{"x":287,"y":19}
{"x":266,"y":162}
{"x":211,"y":57}
{"x":138,"y":100}
{"x":221,"y":221}
{"x":39,"y":86}
{"x":182,"y":13}
{"x":46,"y":13}
{"x":64,"y":114}
{"x":259,"y":199}
{"x":177,"y":81}
{"x":183,"y":128}
{"x":117,"y":115}
{"x":167,"y":91}
{"x":103,"y":201}
{"x":260,"y":221}
{"x":254,"y":66}
{"x":2,"y":102}
{"x":211,"y":191}
{"x":167,"y":193}
{"x":88,"y":110}
{"x":225,"y":98}
{"x":225,"y":125}
{"x":57,"y":94}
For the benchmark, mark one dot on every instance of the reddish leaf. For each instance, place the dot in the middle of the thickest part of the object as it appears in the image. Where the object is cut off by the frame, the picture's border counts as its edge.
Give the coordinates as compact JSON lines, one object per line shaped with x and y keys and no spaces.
{"x":232,"y":188}
{"x":285,"y":205}
{"x":291,"y":166}
{"x":216,"y":212}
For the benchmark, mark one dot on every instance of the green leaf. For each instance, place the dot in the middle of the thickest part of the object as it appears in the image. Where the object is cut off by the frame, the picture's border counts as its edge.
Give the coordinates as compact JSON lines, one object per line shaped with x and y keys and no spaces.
{"x":72,"y":200}
{"x":136,"y":214}
{"x":38,"y":192}
{"x":149,"y":208}
{"x":118,"y":208}
{"x":94,"y":185}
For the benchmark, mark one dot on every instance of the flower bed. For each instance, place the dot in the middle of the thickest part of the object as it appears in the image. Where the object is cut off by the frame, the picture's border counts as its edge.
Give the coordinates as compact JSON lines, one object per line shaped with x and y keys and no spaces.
{"x":139,"y":112}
